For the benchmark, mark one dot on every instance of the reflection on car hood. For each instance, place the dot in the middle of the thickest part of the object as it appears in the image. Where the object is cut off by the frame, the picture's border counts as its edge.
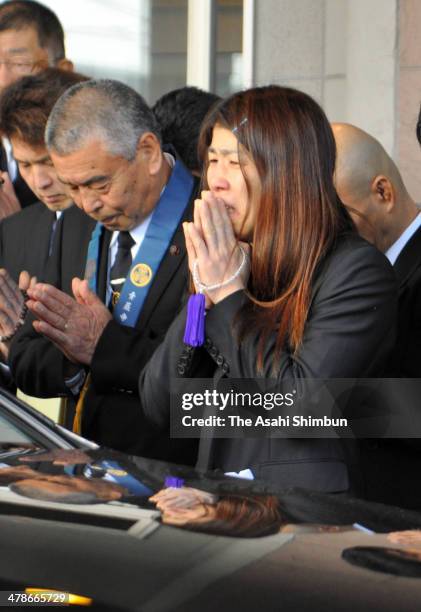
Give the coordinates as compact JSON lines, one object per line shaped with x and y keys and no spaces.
{"x":138,"y":478}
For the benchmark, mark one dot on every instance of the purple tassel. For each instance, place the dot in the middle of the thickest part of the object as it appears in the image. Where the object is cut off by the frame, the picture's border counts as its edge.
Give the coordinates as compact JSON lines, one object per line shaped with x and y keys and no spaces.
{"x":173,"y":481}
{"x":194,"y":334}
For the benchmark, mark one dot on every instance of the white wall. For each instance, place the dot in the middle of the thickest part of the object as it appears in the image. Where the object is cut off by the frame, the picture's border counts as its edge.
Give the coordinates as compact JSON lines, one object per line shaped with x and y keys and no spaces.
{"x":372,"y":27}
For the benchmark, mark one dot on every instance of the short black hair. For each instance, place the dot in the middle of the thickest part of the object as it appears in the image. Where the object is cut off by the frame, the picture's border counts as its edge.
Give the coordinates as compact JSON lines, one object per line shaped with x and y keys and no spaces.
{"x":26,"y":104}
{"x":180,"y":114}
{"x":19,"y":14}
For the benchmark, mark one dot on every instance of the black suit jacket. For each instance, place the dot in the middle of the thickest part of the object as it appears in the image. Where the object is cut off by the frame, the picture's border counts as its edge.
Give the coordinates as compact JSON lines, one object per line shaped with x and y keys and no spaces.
{"x":24,"y":245}
{"x":25,"y":241}
{"x":349,"y":333}
{"x":392,"y":467}
{"x":406,"y":357}
{"x":112,"y":414}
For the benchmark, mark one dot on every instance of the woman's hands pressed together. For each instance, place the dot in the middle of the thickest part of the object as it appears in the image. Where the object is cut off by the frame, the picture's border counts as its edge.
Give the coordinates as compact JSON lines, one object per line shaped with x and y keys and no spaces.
{"x":210,"y":241}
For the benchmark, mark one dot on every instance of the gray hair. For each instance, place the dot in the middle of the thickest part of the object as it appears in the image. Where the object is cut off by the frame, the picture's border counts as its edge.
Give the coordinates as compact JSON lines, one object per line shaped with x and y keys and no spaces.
{"x":104,"y":109}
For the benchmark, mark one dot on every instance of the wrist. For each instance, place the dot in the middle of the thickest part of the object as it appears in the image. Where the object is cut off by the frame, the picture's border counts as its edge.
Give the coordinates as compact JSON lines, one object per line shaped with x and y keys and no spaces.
{"x":213,"y":288}
{"x":220,"y":294}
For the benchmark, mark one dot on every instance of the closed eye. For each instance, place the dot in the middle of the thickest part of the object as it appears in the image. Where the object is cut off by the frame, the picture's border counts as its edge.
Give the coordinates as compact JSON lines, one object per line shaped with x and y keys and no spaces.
{"x":101,"y":188}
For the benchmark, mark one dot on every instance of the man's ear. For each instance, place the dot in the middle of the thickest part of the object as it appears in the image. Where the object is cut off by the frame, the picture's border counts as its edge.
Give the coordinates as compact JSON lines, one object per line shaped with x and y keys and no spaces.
{"x":149,"y":150}
{"x":65,"y":64}
{"x":382,"y":190}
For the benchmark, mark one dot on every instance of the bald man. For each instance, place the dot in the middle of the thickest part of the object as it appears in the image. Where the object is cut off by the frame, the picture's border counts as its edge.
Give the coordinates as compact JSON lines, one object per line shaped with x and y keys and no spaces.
{"x":370,"y":185}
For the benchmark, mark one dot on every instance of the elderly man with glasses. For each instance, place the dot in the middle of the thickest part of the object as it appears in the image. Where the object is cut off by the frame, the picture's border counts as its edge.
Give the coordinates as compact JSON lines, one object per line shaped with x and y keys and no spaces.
{"x":31,"y":39}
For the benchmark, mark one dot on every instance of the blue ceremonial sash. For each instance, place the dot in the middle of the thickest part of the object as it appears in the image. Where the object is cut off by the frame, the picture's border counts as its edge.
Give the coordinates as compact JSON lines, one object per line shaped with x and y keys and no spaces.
{"x":119,"y":475}
{"x":91,"y":268}
{"x":165,"y":220}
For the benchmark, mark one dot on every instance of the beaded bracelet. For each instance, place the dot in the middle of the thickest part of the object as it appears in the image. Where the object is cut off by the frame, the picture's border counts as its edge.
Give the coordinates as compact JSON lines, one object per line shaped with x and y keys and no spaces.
{"x":201,"y":287}
{"x":194,"y":333}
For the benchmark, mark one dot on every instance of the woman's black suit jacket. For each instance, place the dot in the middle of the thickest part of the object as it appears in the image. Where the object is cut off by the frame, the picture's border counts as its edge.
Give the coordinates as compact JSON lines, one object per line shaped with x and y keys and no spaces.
{"x":349,"y":333}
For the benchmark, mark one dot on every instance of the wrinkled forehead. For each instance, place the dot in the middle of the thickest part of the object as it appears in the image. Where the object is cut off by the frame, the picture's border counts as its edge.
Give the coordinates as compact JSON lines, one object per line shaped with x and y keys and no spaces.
{"x":89,"y":164}
{"x":22,"y":41}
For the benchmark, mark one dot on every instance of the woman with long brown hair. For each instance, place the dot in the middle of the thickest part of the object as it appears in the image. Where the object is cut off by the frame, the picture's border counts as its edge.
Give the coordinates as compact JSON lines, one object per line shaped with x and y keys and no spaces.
{"x":291,"y":291}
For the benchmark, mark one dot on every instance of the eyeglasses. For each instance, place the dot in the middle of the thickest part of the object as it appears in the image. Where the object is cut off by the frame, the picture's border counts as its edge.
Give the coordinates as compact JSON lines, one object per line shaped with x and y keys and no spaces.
{"x":19,"y":67}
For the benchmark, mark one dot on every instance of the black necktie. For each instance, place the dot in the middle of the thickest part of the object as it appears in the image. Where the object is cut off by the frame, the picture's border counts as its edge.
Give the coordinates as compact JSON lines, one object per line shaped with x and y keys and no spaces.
{"x":54,"y":221}
{"x":121,"y":265}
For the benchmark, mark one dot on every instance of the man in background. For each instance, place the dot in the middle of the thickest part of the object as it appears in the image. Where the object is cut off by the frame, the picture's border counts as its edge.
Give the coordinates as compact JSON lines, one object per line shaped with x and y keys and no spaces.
{"x":370,"y":185}
{"x":31,"y":39}
{"x":28,"y":237}
{"x":180,"y":114}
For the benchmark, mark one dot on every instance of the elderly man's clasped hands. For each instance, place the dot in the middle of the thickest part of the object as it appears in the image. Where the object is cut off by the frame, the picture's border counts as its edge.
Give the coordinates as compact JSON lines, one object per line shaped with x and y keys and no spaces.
{"x":73,"y":324}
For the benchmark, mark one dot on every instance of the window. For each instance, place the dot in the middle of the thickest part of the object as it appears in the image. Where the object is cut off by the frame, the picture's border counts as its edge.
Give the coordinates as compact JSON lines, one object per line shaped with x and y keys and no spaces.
{"x":144,"y":42}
